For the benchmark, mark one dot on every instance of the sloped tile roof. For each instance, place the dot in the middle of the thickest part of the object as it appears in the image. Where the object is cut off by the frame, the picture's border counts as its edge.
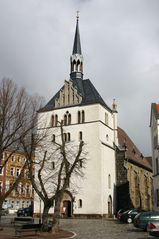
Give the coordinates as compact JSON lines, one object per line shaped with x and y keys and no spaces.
{"x":86,"y":89}
{"x":133,"y":154}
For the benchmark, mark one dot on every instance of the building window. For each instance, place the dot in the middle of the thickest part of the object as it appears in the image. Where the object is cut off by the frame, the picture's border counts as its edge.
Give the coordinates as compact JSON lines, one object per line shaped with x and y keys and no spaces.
{"x":56,"y":120}
{"x":12,"y":158}
{"x":18,"y":159}
{"x":22,"y":189}
{"x":80,"y":203}
{"x":80,"y":135}
{"x":79,"y":117}
{"x":107,"y":137}
{"x":52,"y":121}
{"x":12,"y":171}
{"x":27,"y":189}
{"x":106,"y":119}
{"x":53,"y":165}
{"x":18,"y":172}
{"x":69,"y":119}
{"x":65,"y":119}
{"x":68,"y":137}
{"x":109,"y":181}
{"x":83,"y":116}
{"x":53,"y":138}
{"x":65,"y":137}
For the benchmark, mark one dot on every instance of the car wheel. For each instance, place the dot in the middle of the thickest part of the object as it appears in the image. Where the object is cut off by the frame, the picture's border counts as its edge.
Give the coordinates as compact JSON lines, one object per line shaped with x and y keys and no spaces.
{"x":129,"y":220}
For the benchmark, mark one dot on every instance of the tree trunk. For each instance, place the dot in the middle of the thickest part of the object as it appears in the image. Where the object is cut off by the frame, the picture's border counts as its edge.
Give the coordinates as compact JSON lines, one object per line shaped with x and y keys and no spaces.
{"x":45,"y":213}
{"x":57,"y":214}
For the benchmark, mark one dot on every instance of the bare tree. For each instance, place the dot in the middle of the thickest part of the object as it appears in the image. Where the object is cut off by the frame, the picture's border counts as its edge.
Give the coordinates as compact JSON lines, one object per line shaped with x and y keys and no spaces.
{"x":56,"y":161}
{"x":18,"y":115}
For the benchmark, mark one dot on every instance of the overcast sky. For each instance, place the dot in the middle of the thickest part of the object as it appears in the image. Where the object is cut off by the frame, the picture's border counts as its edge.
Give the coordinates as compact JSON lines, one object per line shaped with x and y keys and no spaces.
{"x":120,"y":45}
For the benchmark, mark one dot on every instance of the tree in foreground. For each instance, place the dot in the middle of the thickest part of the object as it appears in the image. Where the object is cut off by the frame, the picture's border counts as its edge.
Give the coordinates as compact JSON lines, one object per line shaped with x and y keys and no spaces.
{"x":57,"y":163}
{"x":18,"y":117}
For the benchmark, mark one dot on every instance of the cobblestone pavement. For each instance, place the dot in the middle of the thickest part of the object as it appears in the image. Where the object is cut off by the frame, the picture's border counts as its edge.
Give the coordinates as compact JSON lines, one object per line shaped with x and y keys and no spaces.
{"x":102,"y":229}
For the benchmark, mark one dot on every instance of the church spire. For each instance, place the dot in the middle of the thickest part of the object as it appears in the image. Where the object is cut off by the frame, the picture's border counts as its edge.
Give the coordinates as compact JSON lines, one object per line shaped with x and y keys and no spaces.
{"x":76,"y":59}
{"x":77,"y":43}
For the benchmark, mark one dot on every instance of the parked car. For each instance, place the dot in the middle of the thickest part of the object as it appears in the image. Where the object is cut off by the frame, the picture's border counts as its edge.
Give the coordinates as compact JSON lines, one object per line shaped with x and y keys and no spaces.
{"x":119,"y":213}
{"x":141,"y":220}
{"x":153,"y":228}
{"x":28,"y":211}
{"x":4,"y":212}
{"x":129,"y":215}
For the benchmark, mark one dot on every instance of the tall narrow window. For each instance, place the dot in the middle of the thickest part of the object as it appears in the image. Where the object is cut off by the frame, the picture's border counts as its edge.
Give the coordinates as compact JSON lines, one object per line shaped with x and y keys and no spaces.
{"x":27,"y":189}
{"x":53,"y":138}
{"x":68,"y":137}
{"x":18,"y":172}
{"x":109,"y":181}
{"x":80,"y":135}
{"x":65,"y":137}
{"x":79,"y":117}
{"x":65,"y":119}
{"x":12,"y":171}
{"x":52,"y":121}
{"x":80,"y":203}
{"x":83,"y":116}
{"x":107,"y":137}
{"x":53,"y":165}
{"x":56,"y":120}
{"x":69,"y":119}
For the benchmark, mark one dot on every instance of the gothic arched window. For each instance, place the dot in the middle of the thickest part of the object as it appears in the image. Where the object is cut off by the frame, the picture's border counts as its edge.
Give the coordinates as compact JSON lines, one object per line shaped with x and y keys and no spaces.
{"x":69,"y":119}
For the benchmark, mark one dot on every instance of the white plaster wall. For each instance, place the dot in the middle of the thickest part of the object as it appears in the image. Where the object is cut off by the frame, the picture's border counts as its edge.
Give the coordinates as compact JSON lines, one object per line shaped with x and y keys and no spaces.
{"x":93,"y":188}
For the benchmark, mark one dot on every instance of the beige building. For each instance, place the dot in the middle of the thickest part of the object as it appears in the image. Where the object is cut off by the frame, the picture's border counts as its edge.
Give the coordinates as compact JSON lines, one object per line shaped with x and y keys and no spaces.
{"x":22,"y":195}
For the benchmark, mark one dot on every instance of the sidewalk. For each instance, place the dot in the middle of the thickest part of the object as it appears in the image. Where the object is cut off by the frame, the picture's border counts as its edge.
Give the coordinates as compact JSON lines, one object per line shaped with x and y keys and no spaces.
{"x":9,"y":233}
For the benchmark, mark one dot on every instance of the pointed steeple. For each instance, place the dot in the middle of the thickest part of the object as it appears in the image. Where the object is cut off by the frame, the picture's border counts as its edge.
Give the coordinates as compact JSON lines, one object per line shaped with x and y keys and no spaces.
{"x":77,"y":43}
{"x":76,"y":59}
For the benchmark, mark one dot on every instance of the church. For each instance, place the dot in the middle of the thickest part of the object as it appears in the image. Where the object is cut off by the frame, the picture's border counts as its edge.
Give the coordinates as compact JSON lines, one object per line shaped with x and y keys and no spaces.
{"x":113,"y":162}
{"x":86,"y":117}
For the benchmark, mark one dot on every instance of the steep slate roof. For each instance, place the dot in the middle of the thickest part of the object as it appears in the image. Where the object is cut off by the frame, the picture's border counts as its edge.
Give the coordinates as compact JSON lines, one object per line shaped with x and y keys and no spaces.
{"x":86,"y":89}
{"x":132,"y":152}
{"x":77,"y":42}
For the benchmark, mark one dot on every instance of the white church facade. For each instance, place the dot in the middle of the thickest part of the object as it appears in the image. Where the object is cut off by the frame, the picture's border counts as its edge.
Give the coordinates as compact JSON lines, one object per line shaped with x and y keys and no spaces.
{"x":86,"y":117}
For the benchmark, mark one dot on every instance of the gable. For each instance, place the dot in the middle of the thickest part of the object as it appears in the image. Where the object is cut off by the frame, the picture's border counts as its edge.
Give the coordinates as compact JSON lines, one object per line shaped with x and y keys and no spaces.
{"x":75,"y":92}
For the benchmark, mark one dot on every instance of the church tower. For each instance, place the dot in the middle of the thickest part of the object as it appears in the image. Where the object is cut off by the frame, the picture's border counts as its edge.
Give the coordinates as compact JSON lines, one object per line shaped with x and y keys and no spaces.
{"x":76,"y":59}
